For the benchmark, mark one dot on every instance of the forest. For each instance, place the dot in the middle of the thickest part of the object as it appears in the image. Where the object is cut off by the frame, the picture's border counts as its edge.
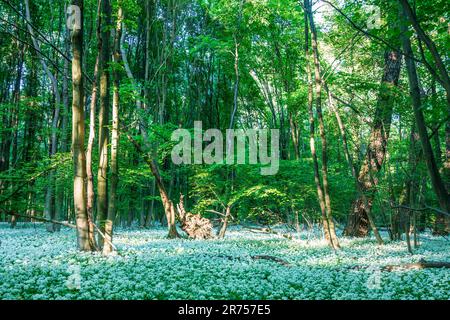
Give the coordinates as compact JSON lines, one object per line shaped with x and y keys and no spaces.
{"x":224,"y":149}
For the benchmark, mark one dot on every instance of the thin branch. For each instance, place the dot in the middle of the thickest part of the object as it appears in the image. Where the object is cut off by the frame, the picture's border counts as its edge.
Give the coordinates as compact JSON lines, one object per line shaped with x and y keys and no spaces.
{"x":65,"y":224}
{"x":44,"y":39}
{"x":368,"y":34}
{"x":33,"y":178}
{"x":420,"y":209}
{"x":31,"y":46}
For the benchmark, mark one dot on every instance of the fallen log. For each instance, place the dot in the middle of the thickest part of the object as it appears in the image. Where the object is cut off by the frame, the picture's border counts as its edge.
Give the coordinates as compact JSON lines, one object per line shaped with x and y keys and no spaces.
{"x":271,"y":258}
{"x":257,"y":257}
{"x":422,"y":264}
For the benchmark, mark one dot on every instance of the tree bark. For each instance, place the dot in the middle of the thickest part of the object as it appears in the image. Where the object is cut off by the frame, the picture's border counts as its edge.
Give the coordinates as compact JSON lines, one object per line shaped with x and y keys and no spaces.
{"x":91,"y":138}
{"x":433,"y":170}
{"x":444,"y":77}
{"x":224,"y":227}
{"x":358,"y":220}
{"x":49,"y":209}
{"x":79,"y":158}
{"x":107,"y":247}
{"x":322,"y":188}
{"x":103,"y":137}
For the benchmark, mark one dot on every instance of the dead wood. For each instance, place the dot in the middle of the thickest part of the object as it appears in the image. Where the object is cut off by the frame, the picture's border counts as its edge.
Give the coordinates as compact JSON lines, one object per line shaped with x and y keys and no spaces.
{"x":195,"y":226}
{"x":271,"y":258}
{"x":422,"y":264}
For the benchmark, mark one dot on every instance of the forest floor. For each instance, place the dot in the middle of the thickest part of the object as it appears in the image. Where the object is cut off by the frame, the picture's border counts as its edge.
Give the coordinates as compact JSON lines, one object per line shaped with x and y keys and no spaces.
{"x":35,"y":264}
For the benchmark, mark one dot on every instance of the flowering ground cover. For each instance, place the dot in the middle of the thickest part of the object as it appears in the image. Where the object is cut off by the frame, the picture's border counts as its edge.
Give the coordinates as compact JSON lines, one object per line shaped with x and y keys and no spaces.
{"x":35,"y":264}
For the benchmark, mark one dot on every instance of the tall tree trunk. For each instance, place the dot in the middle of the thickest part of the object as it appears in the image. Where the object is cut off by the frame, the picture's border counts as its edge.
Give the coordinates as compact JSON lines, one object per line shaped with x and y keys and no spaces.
{"x":79,"y":158}
{"x":103,"y":137}
{"x":31,"y":118}
{"x":15,"y":119}
{"x":49,"y":209}
{"x":444,"y":78}
{"x":148,"y":154}
{"x":59,"y":185}
{"x":433,"y":170}
{"x":91,"y":138}
{"x":351,"y":165}
{"x":107,"y":247}
{"x":358,"y":220}
{"x":295,"y":135}
{"x":322,"y":189}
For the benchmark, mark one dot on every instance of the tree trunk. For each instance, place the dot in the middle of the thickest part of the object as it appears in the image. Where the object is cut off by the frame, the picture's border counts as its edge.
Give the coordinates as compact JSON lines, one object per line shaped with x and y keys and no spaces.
{"x":433,"y":171}
{"x":224,"y":227}
{"x":444,"y":78}
{"x":107,"y":247}
{"x":91,"y":138}
{"x":322,"y":189}
{"x":358,"y":220}
{"x":49,"y":210}
{"x":12,"y":137}
{"x":103,"y":137}
{"x":79,"y":159}
{"x":295,"y":136}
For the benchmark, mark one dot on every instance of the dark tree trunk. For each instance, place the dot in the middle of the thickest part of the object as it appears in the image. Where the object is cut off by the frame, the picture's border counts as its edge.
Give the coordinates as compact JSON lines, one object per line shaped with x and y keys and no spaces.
{"x":433,"y":171}
{"x":358,"y":221}
{"x":103,"y":136}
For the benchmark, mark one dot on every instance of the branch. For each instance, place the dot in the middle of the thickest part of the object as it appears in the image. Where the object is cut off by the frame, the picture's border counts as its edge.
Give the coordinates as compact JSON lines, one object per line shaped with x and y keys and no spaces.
{"x":44,"y":39}
{"x":368,"y":34}
{"x":33,"y":178}
{"x":65,"y":224}
{"x":220,"y":214}
{"x":32,"y":47}
{"x":420,"y":209}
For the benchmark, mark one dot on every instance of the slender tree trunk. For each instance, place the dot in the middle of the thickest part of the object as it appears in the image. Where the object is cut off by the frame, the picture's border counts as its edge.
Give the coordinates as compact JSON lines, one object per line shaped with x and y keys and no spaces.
{"x":12,"y":137}
{"x":148,"y":157}
{"x":103,"y":137}
{"x":295,"y":136}
{"x":433,"y":171}
{"x":49,"y":209}
{"x":79,"y":159}
{"x":358,"y":220}
{"x":107,"y":247}
{"x":444,"y":78}
{"x":31,"y":118}
{"x":91,"y":138}
{"x":322,"y":189}
{"x":224,"y":227}
{"x":89,"y":152}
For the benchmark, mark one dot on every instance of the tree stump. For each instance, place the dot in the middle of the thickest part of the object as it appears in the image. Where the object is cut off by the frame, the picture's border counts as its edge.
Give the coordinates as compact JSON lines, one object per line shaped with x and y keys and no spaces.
{"x":195,"y":226}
